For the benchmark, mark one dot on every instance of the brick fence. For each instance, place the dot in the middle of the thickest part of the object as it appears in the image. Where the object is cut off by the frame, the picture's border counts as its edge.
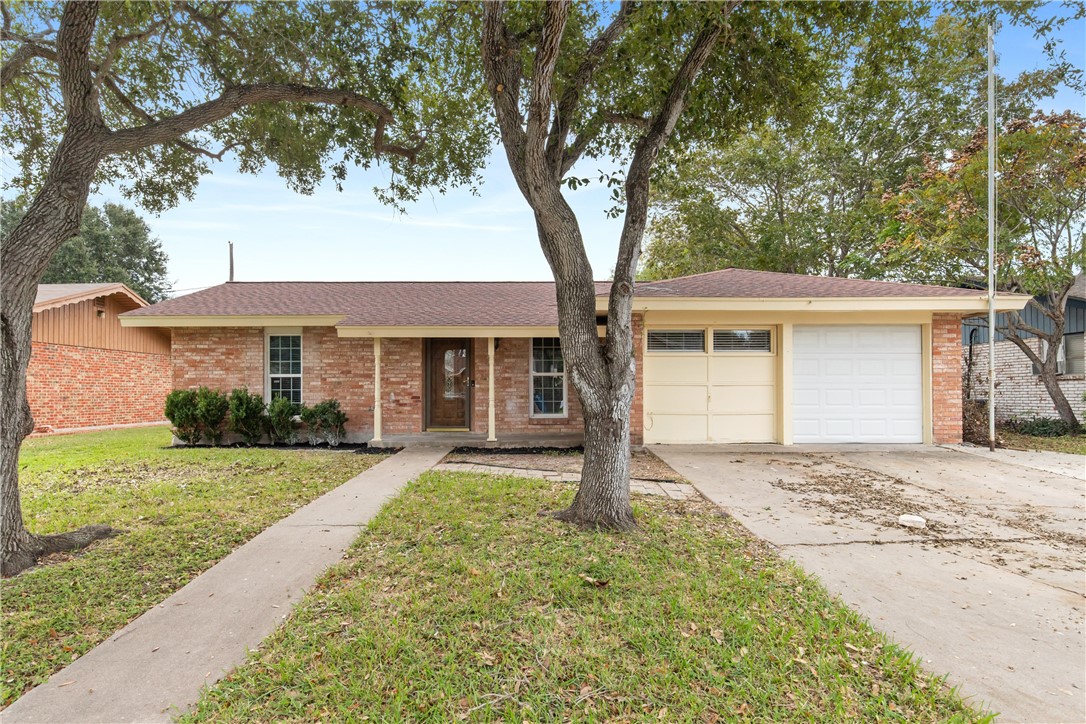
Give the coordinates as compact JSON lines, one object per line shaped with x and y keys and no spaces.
{"x":73,"y":387}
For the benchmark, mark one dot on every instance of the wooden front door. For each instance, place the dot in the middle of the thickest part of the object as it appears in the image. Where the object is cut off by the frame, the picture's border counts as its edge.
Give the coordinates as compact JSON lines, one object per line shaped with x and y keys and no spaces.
{"x":448,"y":383}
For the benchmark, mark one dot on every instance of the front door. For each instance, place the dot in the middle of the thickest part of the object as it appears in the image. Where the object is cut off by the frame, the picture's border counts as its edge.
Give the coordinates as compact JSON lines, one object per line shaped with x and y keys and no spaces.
{"x":448,"y":383}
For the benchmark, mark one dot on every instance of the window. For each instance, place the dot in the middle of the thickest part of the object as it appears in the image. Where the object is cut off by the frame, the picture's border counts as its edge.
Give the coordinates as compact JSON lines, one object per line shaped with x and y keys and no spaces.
{"x":1069,"y":357}
{"x":676,"y":340}
{"x":1076,"y":353}
{"x":741,"y":340}
{"x":548,"y":378}
{"x":285,"y":367}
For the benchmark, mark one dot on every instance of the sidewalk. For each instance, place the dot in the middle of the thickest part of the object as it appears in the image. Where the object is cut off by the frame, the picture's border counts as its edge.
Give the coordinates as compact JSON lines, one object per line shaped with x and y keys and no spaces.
{"x":154,"y":668}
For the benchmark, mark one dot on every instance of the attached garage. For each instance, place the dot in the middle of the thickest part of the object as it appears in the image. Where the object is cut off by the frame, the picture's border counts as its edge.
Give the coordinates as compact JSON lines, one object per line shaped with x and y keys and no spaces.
{"x":710,"y":385}
{"x":857,"y":384}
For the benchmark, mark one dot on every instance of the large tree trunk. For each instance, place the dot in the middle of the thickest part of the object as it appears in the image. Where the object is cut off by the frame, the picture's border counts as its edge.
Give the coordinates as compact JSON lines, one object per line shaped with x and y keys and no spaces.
{"x":52,"y":219}
{"x":1054,"y":310}
{"x":1059,"y":399}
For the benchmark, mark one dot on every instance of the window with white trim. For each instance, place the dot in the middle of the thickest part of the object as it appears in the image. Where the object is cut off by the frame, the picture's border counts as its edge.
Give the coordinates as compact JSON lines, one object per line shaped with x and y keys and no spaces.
{"x":677,"y":340}
{"x":742,"y":340}
{"x":285,"y":367}
{"x":548,"y":377}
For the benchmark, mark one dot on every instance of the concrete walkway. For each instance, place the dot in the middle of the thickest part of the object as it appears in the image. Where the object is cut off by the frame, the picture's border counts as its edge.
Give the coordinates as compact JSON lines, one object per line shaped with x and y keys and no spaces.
{"x":154,"y":668}
{"x":638,"y":486}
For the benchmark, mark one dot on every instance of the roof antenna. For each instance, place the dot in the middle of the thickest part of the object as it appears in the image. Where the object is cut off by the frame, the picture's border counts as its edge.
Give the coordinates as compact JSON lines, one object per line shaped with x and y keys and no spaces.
{"x":231,"y":260}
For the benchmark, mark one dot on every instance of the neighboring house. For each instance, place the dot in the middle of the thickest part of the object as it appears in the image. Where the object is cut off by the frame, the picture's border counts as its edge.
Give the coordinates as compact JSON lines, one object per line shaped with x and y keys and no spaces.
{"x":1019,"y":390}
{"x":86,"y":370}
{"x":728,"y":356}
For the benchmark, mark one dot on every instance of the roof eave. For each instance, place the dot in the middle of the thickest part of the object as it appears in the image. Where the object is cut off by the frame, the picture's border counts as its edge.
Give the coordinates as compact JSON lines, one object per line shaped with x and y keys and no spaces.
{"x":104,"y":291}
{"x":1004,"y":303}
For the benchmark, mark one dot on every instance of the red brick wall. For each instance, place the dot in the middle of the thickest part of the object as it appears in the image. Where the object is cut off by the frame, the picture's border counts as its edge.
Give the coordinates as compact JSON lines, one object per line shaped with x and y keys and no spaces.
{"x":340,"y":368}
{"x":946,"y":378}
{"x":401,"y":385}
{"x":221,"y":358}
{"x":71,"y":387}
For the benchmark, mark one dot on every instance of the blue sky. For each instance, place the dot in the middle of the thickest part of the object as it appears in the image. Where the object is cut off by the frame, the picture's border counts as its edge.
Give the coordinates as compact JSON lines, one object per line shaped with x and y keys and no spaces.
{"x":280,"y":235}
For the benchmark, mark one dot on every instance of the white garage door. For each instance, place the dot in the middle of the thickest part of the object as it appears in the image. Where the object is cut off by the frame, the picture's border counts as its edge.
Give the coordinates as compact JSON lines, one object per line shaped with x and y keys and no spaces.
{"x":710,"y":385}
{"x":857,"y":384}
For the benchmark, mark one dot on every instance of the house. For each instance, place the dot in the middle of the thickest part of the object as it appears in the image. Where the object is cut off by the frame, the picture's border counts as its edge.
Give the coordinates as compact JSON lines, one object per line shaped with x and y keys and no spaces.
{"x":1019,"y":390}
{"x":727,"y":356}
{"x":86,"y":370}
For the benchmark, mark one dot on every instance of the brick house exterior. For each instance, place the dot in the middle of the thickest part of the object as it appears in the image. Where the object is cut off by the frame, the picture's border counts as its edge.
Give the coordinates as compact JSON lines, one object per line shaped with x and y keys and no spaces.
{"x":377,"y":348}
{"x":86,"y":370}
{"x":1019,"y":390}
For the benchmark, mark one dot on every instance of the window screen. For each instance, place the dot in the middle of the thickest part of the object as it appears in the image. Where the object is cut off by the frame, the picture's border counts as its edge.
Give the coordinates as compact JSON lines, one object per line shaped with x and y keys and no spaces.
{"x":1076,"y":362}
{"x":741,"y":340}
{"x":676,"y":340}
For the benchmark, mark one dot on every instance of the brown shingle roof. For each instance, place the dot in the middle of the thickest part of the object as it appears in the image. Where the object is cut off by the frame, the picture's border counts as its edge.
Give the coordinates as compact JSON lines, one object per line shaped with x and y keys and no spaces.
{"x":498,"y":304}
{"x":743,"y":283}
{"x":377,"y":304}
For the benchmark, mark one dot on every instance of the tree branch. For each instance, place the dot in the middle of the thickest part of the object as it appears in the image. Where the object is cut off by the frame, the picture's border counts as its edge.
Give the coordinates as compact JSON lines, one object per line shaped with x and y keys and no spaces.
{"x":120,"y":41}
{"x":567,"y":105}
{"x":501,"y":68}
{"x":233,"y":99}
{"x":555,"y":16}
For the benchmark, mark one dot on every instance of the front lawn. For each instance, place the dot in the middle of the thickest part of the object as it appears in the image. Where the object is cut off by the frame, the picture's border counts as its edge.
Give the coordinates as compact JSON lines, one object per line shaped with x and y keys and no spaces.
{"x":459,"y":602}
{"x":182,"y":510}
{"x":1073,"y":444}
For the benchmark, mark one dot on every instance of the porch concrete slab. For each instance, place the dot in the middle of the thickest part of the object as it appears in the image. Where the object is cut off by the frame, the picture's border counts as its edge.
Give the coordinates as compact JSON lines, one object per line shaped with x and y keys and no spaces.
{"x":154,"y":668}
{"x":992,"y":593}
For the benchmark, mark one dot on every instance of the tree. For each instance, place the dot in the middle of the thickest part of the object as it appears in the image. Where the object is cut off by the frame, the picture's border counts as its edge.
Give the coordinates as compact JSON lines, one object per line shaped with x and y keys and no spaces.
{"x":637,"y":82}
{"x":141,"y":95}
{"x":113,"y":245}
{"x":938,"y":225}
{"x":805,"y":198}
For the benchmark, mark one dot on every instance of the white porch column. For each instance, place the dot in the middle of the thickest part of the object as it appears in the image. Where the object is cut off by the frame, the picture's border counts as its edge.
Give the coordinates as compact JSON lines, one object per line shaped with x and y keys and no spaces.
{"x":376,"y":389}
{"x":491,"y":432}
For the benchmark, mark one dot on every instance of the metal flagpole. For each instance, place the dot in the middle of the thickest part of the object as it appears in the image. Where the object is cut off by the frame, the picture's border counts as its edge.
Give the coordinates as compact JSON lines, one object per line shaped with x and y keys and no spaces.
{"x":991,"y":236}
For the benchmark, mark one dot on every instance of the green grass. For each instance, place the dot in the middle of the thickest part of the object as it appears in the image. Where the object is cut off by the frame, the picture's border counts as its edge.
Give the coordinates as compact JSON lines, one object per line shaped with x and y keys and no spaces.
{"x":1074,"y":444}
{"x":459,"y":602}
{"x":181,"y":510}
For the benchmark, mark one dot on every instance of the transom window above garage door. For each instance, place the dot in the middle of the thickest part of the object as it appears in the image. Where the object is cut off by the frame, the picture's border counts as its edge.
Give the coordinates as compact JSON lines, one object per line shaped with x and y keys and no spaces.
{"x":676,"y":340}
{"x":725,"y":341}
{"x":742,"y":340}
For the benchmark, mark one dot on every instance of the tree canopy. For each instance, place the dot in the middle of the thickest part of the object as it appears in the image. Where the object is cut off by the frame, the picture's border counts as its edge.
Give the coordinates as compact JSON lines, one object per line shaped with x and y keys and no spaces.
{"x":804,"y":197}
{"x":114,"y":244}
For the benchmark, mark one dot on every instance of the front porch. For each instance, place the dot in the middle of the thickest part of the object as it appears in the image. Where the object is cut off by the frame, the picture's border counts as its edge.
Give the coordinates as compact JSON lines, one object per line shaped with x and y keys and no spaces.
{"x":479,"y":440}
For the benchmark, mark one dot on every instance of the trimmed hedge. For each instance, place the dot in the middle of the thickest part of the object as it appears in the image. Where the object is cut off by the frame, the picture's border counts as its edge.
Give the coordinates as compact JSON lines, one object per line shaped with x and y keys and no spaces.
{"x":204,"y":415}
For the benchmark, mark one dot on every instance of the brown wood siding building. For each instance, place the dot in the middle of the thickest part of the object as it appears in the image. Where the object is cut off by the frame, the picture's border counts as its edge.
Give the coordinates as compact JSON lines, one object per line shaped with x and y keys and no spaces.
{"x":86,"y":370}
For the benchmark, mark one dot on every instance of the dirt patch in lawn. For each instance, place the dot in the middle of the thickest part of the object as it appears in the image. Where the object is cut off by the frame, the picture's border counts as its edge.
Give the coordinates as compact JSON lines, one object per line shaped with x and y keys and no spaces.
{"x":643,"y":464}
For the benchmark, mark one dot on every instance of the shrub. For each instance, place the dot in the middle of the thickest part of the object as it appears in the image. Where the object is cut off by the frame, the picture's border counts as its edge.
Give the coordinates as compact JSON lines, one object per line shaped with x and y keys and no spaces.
{"x":1043,"y":427}
{"x":312,"y":420}
{"x":332,"y":420}
{"x":182,"y":411}
{"x":281,"y":425}
{"x":211,"y":408}
{"x":247,"y":416}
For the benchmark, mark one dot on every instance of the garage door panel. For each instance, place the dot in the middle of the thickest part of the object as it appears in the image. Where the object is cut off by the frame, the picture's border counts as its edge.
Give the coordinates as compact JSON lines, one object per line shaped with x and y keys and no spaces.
{"x":677,"y":428}
{"x":742,"y":428}
{"x":676,"y":369}
{"x":735,"y":400}
{"x":672,"y":399}
{"x":742,"y":370}
{"x":857,"y":384}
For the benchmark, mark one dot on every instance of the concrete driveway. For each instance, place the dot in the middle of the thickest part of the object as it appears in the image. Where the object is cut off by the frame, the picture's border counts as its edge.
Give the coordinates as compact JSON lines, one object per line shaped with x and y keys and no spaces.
{"x":992,"y":591}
